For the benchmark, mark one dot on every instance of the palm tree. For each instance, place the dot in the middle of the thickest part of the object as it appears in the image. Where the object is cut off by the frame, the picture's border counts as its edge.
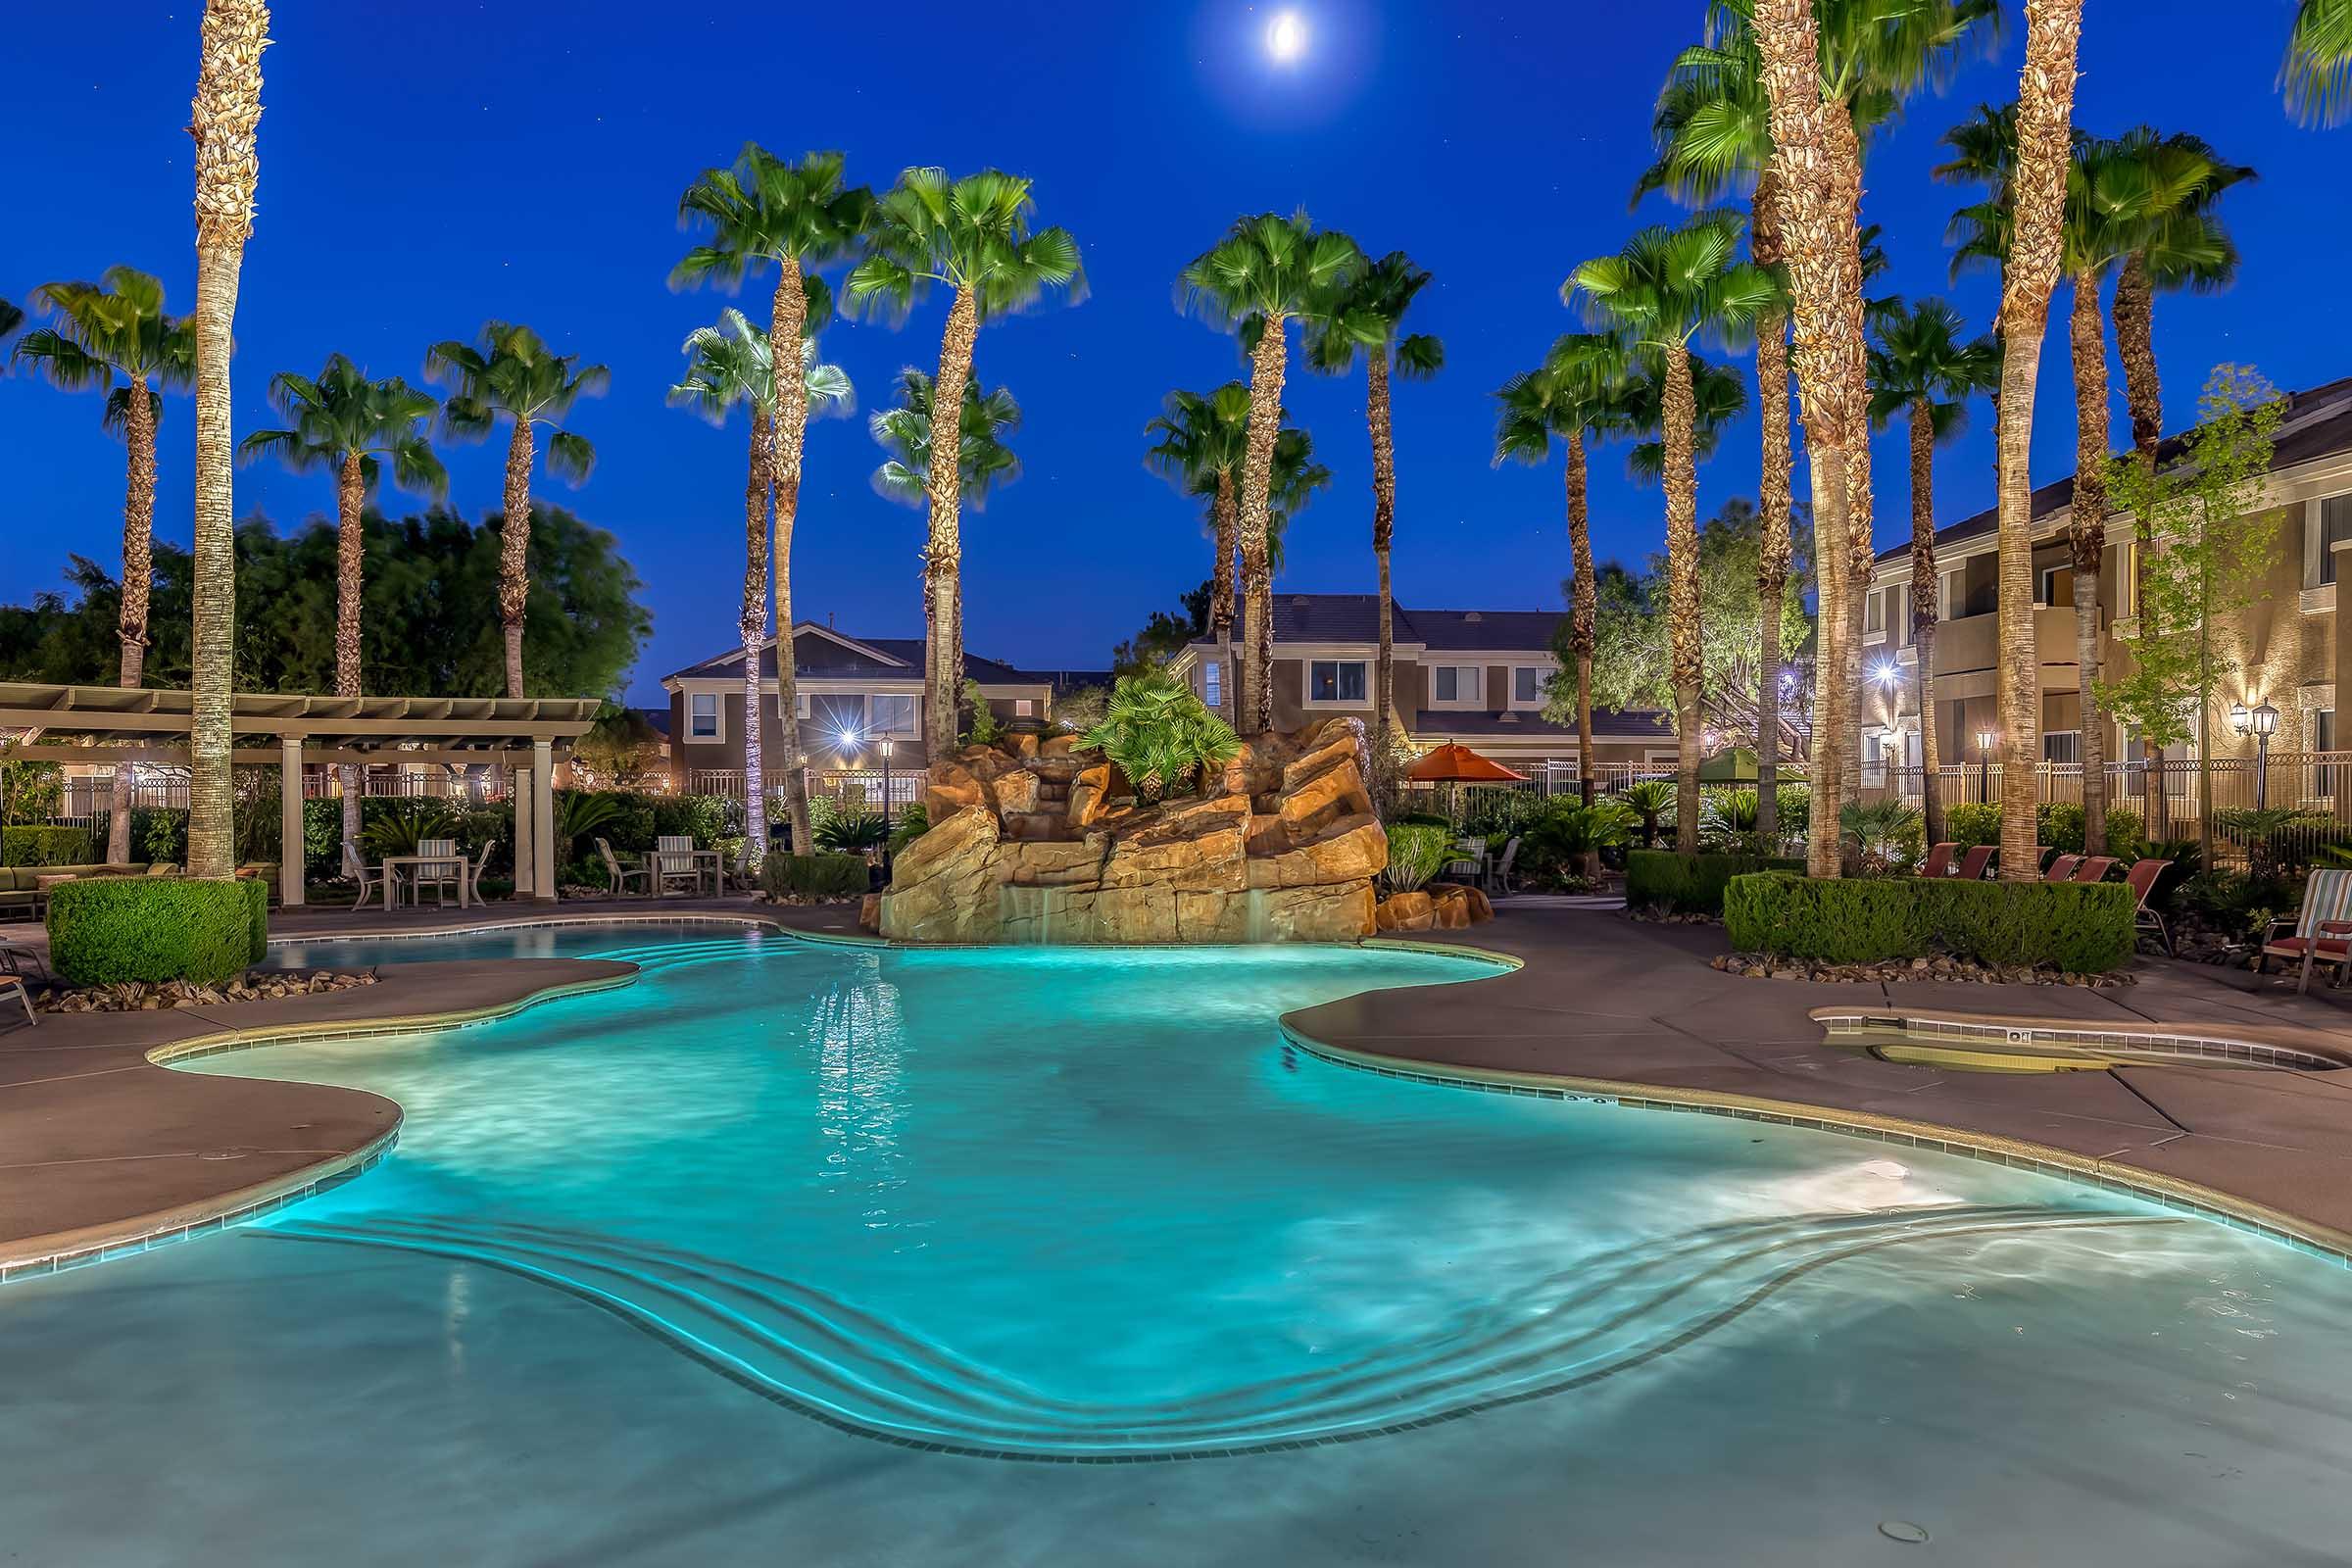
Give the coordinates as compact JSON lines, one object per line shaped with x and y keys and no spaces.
{"x":1665,"y":288}
{"x":1578,"y":391}
{"x":2177,"y":241}
{"x":11,"y":318}
{"x":341,"y":421}
{"x":1922,"y":369}
{"x":510,"y":373}
{"x":971,"y":236}
{"x":227,"y":111}
{"x":1294,"y":481}
{"x":801,"y":220}
{"x":1370,"y":315}
{"x":1267,"y":271}
{"x":727,"y":365}
{"x":983,"y":461}
{"x":118,"y":327}
{"x":1203,"y":437}
{"x":2317,"y":73}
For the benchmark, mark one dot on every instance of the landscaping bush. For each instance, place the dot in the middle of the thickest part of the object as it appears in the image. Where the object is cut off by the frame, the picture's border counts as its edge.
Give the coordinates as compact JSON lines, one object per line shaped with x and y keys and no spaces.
{"x":158,"y":835}
{"x":1971,"y":823}
{"x":49,"y":845}
{"x":914,"y":821}
{"x":2081,"y":928}
{"x":1160,"y":735}
{"x":1415,"y":852}
{"x":1557,"y":844}
{"x":813,"y":877}
{"x":1690,"y":884}
{"x":116,"y":930}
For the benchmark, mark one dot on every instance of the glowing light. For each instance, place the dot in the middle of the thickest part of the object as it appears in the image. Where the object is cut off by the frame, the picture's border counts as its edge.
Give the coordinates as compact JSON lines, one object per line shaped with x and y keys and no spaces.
{"x":1885,"y":673}
{"x":1286,"y":37}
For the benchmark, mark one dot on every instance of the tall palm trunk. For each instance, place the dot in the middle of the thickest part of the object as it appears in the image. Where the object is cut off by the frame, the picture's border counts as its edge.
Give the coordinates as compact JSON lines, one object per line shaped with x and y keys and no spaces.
{"x":1267,"y":362}
{"x":787,"y":325}
{"x":139,"y":585}
{"x":351,"y":494}
{"x":1384,"y":522}
{"x":2045,"y":107}
{"x":1787,"y":40}
{"x":2088,"y":534}
{"x":757,"y":483}
{"x":1679,"y":418}
{"x":943,"y":559}
{"x":2135,"y":313}
{"x":1846,"y":186}
{"x":515,"y":550}
{"x":1774,"y":503}
{"x":1226,"y":515}
{"x":226,"y":111}
{"x":1583,"y":614}
{"x":1923,"y":609}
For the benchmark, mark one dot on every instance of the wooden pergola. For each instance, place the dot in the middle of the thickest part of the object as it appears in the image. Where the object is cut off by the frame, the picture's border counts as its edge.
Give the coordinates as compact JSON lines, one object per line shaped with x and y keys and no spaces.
{"x":113,"y":724}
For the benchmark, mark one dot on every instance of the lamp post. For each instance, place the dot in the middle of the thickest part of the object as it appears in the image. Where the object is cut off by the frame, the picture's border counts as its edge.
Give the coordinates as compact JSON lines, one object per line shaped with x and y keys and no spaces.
{"x":885,"y":745}
{"x":2262,"y":723}
{"x":1986,"y":740}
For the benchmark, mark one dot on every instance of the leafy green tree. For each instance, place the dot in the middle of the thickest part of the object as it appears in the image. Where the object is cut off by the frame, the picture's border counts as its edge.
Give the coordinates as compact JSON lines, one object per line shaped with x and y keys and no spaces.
{"x":972,"y":237}
{"x":2214,"y":550}
{"x":2317,"y":73}
{"x":510,"y":373}
{"x":620,"y":749}
{"x":1166,"y":633}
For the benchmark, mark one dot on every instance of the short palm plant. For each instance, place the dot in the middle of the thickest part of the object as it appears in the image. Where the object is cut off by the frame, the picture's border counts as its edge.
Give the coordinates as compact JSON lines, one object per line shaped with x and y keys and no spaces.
{"x":1726,"y":815}
{"x":1575,"y":835}
{"x":1889,"y":832}
{"x":400,"y":831}
{"x":1160,"y":735}
{"x":847,"y":826}
{"x":1417,"y":851}
{"x":1649,"y":799}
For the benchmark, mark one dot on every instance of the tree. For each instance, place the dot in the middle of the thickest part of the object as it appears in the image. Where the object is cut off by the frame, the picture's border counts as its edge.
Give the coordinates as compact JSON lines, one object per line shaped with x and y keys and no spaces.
{"x":1666,"y":287}
{"x":1578,"y":391}
{"x":342,"y":422}
{"x":227,"y":111}
{"x":2214,"y":551}
{"x":727,"y":365}
{"x":1370,"y":315}
{"x":1165,"y":634}
{"x":1202,"y":439}
{"x":1265,"y":273}
{"x":619,"y":749}
{"x":2317,"y":76}
{"x":1922,"y":369}
{"x":511,"y":373}
{"x":983,"y":461}
{"x":801,"y":220}
{"x":971,"y":236}
{"x":114,"y":328}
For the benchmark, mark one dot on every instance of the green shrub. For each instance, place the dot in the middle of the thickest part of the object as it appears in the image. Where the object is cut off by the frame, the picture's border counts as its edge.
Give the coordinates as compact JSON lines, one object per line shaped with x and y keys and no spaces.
{"x":1415,"y":852}
{"x":115,"y":930}
{"x":846,"y":826}
{"x":49,"y":845}
{"x":1555,"y":845}
{"x":1690,"y":884}
{"x":813,"y":877}
{"x":1161,"y":736}
{"x":1971,"y":823}
{"x":914,"y":821}
{"x":1889,"y":832}
{"x":1651,"y":799}
{"x":159,"y":833}
{"x":1433,"y":819}
{"x":2081,"y":928}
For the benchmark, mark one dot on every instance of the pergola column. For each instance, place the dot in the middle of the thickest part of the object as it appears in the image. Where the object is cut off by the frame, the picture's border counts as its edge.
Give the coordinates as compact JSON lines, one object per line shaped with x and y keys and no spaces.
{"x":518,"y":789}
{"x":289,"y":822}
{"x":543,"y":821}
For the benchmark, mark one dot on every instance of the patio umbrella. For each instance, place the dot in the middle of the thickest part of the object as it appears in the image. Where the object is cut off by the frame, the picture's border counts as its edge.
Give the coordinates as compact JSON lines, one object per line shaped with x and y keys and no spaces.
{"x":1460,"y":764}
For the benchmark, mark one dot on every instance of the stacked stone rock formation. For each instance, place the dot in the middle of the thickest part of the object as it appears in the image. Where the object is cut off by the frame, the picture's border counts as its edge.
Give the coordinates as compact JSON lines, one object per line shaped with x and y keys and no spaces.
{"x":1039,"y":840}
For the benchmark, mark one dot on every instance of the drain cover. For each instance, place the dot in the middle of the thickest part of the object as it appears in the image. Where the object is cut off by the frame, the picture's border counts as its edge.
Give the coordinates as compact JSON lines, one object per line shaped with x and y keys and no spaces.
{"x":1904,"y":1531}
{"x":224,"y":1154}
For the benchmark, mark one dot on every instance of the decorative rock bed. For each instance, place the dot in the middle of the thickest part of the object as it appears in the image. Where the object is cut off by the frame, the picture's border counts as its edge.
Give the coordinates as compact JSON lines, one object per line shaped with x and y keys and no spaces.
{"x":1773,"y":967}
{"x":136,"y":998}
{"x":1445,"y":906}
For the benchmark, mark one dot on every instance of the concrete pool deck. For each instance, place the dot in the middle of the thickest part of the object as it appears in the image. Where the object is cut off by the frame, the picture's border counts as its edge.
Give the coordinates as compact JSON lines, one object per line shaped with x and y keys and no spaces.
{"x":103,"y":1149}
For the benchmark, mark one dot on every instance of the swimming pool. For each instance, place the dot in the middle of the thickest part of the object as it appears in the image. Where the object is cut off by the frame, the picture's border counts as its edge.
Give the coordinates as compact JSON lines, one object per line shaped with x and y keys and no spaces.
{"x":834,"y":1253}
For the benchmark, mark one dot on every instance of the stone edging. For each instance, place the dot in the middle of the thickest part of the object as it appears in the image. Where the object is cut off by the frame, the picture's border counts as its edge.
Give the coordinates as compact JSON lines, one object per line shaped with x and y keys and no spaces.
{"x":419,"y":933}
{"x":2322,"y":1242}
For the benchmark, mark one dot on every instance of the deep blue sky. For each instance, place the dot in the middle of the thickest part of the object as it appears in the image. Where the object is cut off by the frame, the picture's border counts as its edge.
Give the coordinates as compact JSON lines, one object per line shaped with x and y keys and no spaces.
{"x":427,"y":165}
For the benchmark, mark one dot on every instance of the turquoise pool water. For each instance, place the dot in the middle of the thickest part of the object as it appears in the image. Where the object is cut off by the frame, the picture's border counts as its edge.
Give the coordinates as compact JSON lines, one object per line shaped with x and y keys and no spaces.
{"x":812,"y":1254}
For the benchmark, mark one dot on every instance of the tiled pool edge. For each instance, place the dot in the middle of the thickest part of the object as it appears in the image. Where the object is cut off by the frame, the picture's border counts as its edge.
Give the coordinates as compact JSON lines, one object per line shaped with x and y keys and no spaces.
{"x":416,"y":933}
{"x":2191,"y":1198}
{"x":2240,"y":1048}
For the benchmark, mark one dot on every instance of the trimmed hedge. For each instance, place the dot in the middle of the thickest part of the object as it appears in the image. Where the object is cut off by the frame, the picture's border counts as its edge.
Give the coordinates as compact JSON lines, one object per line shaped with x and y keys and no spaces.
{"x":2081,"y":928}
{"x":1690,"y":884}
{"x":107,"y":931}
{"x":815,"y":876}
{"x":41,"y":844}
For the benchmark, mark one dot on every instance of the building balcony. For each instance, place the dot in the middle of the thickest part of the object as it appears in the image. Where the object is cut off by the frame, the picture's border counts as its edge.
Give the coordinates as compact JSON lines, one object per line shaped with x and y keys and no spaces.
{"x":1972,"y":643}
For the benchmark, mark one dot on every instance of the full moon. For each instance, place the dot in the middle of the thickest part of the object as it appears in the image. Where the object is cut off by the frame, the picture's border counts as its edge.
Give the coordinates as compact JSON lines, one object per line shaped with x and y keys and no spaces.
{"x":1286,"y":37}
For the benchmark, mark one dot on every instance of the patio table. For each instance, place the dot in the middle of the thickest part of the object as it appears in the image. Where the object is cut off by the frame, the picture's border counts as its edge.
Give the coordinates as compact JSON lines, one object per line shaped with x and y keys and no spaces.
{"x":392,"y":863}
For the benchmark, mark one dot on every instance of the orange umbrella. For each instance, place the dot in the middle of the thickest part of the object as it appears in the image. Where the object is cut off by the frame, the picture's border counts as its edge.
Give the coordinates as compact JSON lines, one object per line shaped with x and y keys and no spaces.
{"x":1460,"y":764}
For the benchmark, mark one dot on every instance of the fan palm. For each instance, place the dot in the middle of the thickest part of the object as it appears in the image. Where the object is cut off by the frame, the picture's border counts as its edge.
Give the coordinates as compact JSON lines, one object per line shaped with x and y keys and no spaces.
{"x":510,"y":373}
{"x":1924,"y":368}
{"x":729,"y":365}
{"x":1665,"y":288}
{"x":971,"y":236}
{"x":11,"y":317}
{"x":227,"y":111}
{"x":117,"y":328}
{"x":1265,"y":273}
{"x":904,"y":432}
{"x":2317,"y":76}
{"x":1370,"y":315}
{"x":801,"y":220}
{"x":344,"y":422}
{"x":1202,"y":439}
{"x":1578,"y":391}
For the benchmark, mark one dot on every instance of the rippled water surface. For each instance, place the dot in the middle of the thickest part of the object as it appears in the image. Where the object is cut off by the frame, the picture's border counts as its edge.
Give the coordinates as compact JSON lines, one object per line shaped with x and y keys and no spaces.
{"x":799,"y":1252}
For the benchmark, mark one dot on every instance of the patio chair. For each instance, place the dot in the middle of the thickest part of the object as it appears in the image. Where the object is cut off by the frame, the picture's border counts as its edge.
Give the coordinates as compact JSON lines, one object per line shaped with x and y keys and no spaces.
{"x":1939,"y":859}
{"x":443,"y":876}
{"x":674,"y":861}
{"x":1469,"y":861}
{"x":14,"y":985}
{"x":13,"y":959}
{"x":2062,"y":869}
{"x":2095,"y":868}
{"x":622,"y":876}
{"x":1502,"y":866}
{"x":2321,"y":931}
{"x":1974,"y":861}
{"x":473,"y":873}
{"x":356,"y":867}
{"x":2141,"y":879}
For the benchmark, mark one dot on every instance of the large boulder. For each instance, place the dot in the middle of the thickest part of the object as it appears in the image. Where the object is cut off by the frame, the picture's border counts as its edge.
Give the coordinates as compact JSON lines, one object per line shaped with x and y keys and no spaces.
{"x":1200,"y":845}
{"x":943,"y":885}
{"x":1405,"y":912}
{"x":1353,"y":849}
{"x":1319,"y":799}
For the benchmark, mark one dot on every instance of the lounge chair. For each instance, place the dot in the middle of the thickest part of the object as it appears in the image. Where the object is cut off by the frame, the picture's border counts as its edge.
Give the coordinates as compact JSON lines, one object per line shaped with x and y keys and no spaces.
{"x":622,"y":876}
{"x":13,"y":959}
{"x":1939,"y":859}
{"x":1502,"y":866}
{"x":2095,"y":868}
{"x":14,"y":985}
{"x":2320,"y":932}
{"x":1972,"y":864}
{"x":473,"y":873}
{"x":2141,"y":879}
{"x":2062,"y":869}
{"x":356,"y":867}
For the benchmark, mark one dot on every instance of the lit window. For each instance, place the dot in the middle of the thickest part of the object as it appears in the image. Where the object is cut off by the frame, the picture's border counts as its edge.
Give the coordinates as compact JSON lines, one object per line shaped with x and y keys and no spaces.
{"x":893,"y":714}
{"x":1457,"y":683}
{"x":2054,"y":585}
{"x":1527,"y":683}
{"x":2336,"y":525}
{"x":702,"y":716}
{"x":1335,"y":681}
{"x":1023,"y":706}
{"x":1213,"y":684}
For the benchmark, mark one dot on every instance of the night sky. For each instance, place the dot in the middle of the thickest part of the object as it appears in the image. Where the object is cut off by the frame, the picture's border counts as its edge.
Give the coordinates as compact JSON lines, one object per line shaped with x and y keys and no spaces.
{"x":426,"y":166}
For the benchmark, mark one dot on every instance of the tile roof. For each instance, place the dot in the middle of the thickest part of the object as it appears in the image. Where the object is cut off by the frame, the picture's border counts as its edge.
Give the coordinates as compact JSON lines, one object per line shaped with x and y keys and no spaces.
{"x":1356,"y":618}
{"x":821,"y":652}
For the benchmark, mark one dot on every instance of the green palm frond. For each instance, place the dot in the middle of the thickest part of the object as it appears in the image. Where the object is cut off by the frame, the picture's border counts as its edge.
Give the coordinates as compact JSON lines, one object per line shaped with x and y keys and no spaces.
{"x":1270,"y":268}
{"x":765,"y":210}
{"x":510,"y":373}
{"x":1670,"y":285}
{"x":341,"y":412}
{"x":2317,"y":76}
{"x":971,"y":234}
{"x":114,"y":328}
{"x":904,"y":432}
{"x":1920,"y":354}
